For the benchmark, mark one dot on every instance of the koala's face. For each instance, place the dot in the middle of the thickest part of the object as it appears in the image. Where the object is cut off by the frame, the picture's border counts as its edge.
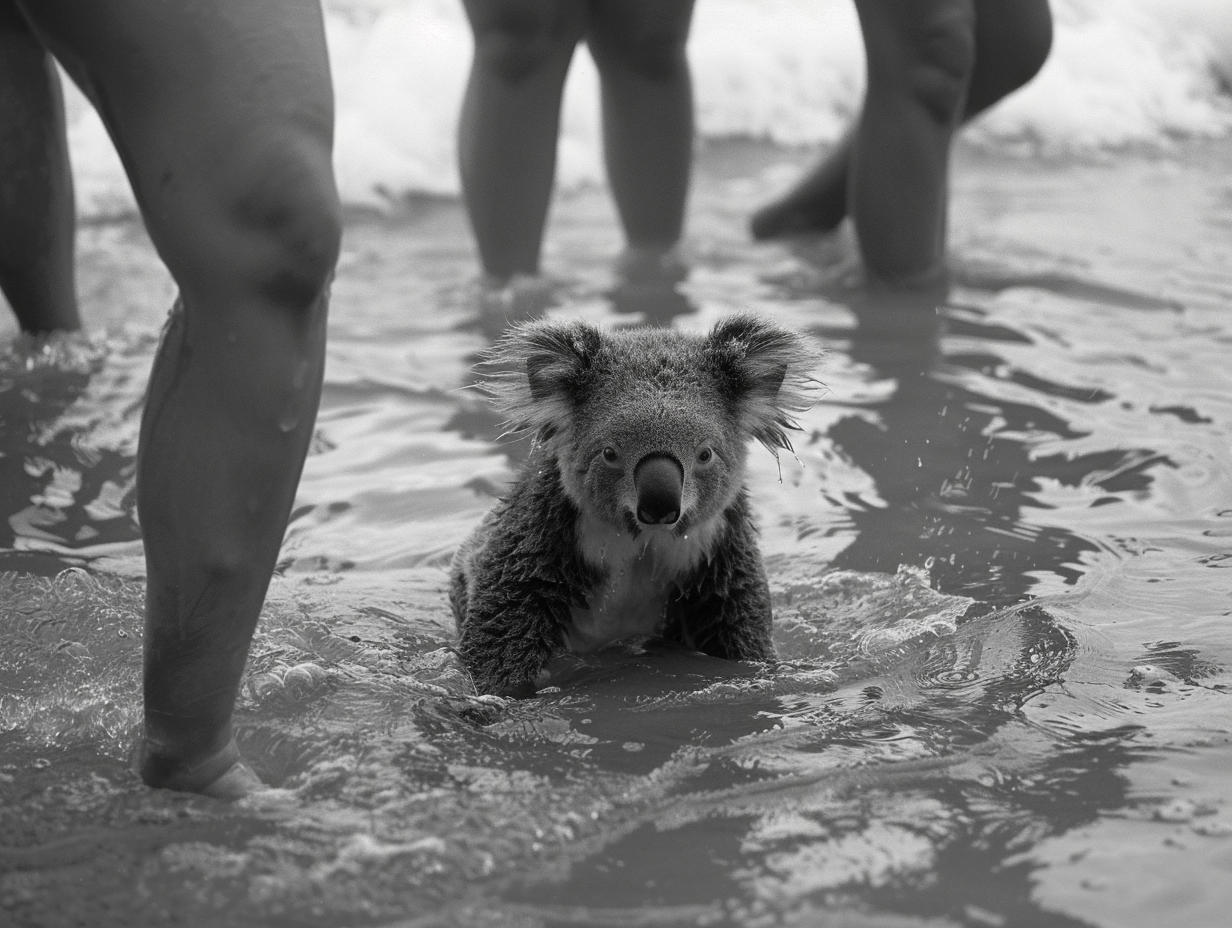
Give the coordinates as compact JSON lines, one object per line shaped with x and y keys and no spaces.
{"x":644,"y":458}
{"x":650,"y":426}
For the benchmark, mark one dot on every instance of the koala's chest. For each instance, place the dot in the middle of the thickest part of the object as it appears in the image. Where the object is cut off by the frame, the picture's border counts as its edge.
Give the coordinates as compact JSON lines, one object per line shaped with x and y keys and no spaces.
{"x":631,"y":603}
{"x":632,"y":600}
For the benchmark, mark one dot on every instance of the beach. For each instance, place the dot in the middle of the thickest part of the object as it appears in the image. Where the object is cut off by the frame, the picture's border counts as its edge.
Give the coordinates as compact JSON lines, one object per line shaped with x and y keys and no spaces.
{"x":997,"y":556}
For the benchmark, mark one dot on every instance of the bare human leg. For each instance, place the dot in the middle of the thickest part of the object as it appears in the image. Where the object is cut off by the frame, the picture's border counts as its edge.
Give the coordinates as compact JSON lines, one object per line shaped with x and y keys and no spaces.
{"x":222,"y":112}
{"x":507,"y":132}
{"x":920,"y":57}
{"x":37,"y":221}
{"x":647,"y":91}
{"x":1012,"y":41}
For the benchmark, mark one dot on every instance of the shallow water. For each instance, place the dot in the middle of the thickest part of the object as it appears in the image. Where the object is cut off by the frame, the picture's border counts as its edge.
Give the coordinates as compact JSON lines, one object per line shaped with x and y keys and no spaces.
{"x":997,"y":559}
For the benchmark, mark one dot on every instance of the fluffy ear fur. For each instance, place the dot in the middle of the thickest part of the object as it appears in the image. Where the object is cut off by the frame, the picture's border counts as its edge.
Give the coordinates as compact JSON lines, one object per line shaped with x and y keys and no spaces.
{"x":540,"y":370}
{"x":766,"y":373}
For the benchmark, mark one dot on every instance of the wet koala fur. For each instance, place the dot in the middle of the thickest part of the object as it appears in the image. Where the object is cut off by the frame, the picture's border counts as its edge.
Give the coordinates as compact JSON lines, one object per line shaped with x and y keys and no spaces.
{"x":631,"y":518}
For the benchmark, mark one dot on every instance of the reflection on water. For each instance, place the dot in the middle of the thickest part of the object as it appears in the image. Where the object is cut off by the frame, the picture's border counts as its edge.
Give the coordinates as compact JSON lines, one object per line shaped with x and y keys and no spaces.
{"x":68,"y":410}
{"x":996,"y":560}
{"x":953,"y":471}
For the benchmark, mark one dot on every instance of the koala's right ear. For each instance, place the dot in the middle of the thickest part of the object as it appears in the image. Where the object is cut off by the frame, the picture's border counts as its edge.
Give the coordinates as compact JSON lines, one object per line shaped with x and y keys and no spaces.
{"x":544,"y":368}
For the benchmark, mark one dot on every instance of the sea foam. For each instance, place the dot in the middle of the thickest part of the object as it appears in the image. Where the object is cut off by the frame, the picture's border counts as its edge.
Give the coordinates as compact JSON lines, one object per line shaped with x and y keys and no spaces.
{"x":1122,"y":72}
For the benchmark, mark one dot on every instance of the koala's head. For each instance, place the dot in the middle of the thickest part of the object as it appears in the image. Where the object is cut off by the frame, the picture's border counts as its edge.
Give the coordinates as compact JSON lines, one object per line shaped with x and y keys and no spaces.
{"x":650,"y":427}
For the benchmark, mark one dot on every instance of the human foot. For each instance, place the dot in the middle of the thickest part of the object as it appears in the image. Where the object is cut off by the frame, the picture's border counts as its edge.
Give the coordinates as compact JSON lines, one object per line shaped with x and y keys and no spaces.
{"x":799,"y":212}
{"x":222,"y":775}
{"x":815,"y":205}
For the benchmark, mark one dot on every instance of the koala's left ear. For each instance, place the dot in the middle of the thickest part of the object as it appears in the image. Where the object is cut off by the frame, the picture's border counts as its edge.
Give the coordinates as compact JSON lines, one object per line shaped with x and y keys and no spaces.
{"x":543,"y":369}
{"x":766,"y":374}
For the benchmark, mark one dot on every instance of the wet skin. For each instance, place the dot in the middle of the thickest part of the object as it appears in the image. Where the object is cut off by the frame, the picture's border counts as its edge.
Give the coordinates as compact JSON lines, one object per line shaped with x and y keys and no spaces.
{"x":932,"y":66}
{"x":507,"y":132}
{"x":36,"y":185}
{"x":222,"y":113}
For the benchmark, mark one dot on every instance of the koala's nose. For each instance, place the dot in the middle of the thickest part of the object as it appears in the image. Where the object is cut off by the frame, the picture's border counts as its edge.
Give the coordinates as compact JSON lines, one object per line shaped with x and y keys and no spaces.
{"x":659,"y":482}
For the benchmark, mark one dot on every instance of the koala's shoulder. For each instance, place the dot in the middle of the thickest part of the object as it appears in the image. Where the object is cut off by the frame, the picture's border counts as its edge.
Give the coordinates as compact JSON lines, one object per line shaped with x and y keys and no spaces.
{"x":532,"y":532}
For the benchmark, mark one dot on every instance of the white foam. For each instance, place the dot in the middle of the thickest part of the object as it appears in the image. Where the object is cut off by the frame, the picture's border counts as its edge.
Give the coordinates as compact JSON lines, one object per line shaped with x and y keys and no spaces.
{"x":1122,"y":72}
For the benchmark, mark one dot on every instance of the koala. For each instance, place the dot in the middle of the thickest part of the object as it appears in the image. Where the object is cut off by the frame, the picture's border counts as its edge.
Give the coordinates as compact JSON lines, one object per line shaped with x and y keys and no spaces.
{"x":630,"y":517}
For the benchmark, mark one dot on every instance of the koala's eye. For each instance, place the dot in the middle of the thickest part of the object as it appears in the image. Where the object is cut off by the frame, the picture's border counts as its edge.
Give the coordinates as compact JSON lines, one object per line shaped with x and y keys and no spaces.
{"x":705,"y":456}
{"x":611,"y":455}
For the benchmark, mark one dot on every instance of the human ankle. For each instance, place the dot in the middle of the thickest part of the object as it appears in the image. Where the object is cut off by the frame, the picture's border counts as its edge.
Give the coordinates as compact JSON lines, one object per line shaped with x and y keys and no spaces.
{"x":184,"y":763}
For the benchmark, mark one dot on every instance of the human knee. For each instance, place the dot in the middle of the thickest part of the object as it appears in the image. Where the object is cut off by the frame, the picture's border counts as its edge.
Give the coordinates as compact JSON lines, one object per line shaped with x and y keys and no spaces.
{"x":515,"y":41}
{"x":654,"y":51}
{"x":284,"y":208}
{"x":940,"y":60}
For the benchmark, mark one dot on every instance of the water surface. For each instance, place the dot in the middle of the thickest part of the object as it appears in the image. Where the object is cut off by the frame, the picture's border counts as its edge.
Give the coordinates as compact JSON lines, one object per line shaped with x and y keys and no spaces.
{"x":997,"y":558}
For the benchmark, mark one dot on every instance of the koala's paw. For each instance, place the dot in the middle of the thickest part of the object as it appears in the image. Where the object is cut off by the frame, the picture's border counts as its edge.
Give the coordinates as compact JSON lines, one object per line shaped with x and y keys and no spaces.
{"x":497,"y":684}
{"x":506,"y":664}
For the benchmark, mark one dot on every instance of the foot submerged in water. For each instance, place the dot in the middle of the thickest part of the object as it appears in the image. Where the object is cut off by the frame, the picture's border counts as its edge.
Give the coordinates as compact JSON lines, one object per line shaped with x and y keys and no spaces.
{"x":222,"y":775}
{"x":816,"y":205}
